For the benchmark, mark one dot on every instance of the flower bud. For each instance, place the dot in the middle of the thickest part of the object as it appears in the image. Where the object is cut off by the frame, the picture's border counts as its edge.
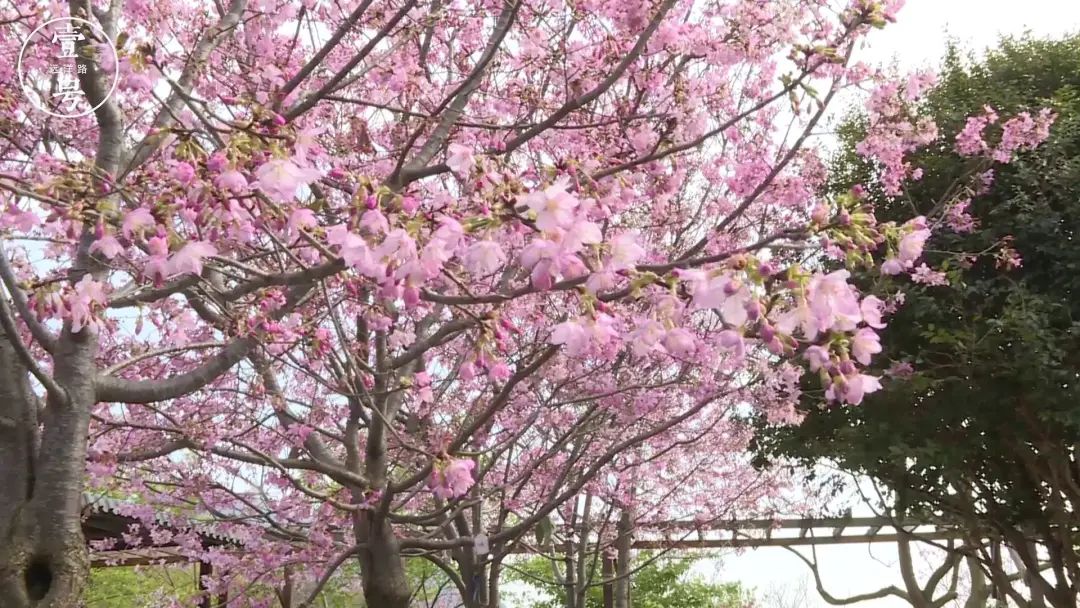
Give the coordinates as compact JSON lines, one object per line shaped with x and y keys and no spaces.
{"x":753,"y":310}
{"x":767,"y":332}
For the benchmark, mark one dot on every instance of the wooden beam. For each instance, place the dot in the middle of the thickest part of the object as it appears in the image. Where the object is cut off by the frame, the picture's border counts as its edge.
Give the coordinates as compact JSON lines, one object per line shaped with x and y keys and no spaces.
{"x":719,"y":543}
{"x":792,"y":524}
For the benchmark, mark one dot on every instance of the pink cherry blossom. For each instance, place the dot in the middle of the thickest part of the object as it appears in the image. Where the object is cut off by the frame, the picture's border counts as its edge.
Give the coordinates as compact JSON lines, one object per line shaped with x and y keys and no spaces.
{"x":712,"y":291}
{"x":460,"y":159}
{"x":452,"y":479}
{"x":302,"y":218}
{"x":494,"y":297}
{"x":900,"y":369}
{"x":970,"y":142}
{"x":136,"y":220}
{"x":88,"y":297}
{"x":374,"y":221}
{"x":217,"y":162}
{"x":157,"y":266}
{"x":864,"y":344}
{"x":500,"y":372}
{"x":892,"y":266}
{"x":586,"y":335}
{"x":483,"y":257}
{"x":25,"y":221}
{"x":646,"y":336}
{"x":581,"y":234}
{"x":136,"y":81}
{"x":853,"y":389}
{"x":554,"y":206}
{"x":833,"y":301}
{"x":625,"y":251}
{"x":354,"y":250}
{"x":183,"y":173}
{"x":108,"y":246}
{"x":679,"y":342}
{"x":817,"y":356}
{"x":734,"y":307}
{"x":871,"y":307}
{"x":911,"y":245}
{"x":799,"y":317}
{"x":927,"y":276}
{"x":279,"y":179}
{"x":189,"y":259}
{"x":734,"y":341}
{"x":232,"y":181}
{"x":603,"y":280}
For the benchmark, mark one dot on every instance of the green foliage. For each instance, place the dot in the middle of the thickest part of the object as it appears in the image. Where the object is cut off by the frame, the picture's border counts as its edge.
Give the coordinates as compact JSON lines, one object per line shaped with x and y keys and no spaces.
{"x":154,"y":586}
{"x":996,"y":352}
{"x":139,"y":587}
{"x":659,"y":583}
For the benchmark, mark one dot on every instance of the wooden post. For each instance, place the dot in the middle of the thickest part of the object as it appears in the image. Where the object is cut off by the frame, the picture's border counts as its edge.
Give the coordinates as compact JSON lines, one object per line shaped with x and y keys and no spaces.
{"x":204,"y":569}
{"x":606,"y":572}
{"x":623,"y":545}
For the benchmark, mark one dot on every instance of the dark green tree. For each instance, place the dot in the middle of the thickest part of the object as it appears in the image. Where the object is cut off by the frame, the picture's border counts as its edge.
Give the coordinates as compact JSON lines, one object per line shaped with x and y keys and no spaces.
{"x":985,"y":428}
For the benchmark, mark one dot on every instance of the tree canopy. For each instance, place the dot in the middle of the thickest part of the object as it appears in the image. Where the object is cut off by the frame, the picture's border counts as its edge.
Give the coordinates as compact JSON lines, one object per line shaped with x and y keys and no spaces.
{"x":386,"y":280}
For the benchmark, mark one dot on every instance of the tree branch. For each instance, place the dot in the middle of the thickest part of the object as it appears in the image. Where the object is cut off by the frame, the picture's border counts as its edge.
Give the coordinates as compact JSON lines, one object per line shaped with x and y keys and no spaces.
{"x":7,"y":275}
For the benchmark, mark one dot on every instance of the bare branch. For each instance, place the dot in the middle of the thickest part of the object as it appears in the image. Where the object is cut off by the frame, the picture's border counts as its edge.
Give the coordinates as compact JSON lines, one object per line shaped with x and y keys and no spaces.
{"x":459,"y":98}
{"x":195,"y":66}
{"x":631,"y":56}
{"x":309,"y":101}
{"x":330,"y":45}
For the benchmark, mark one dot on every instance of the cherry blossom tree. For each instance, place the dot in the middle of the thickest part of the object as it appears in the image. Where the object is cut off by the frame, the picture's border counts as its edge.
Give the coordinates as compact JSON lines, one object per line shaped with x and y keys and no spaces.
{"x":400,"y":278}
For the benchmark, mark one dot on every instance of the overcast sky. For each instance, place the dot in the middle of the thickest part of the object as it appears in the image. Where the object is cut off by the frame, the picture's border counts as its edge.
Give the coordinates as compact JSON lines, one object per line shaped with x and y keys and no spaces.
{"x":916,"y":40}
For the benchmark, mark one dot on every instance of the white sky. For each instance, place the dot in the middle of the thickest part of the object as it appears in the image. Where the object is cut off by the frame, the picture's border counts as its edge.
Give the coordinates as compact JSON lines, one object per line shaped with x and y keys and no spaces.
{"x":916,"y":40}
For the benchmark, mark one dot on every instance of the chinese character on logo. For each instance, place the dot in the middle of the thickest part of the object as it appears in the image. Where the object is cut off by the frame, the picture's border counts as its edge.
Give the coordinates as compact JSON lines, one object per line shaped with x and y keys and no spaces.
{"x":54,"y":61}
{"x":66,"y":36}
{"x":67,"y":90}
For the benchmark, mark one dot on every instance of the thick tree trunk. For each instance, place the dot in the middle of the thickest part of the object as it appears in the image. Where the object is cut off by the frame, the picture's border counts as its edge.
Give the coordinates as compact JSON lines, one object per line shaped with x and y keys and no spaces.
{"x":43,"y":558}
{"x":493,"y":598}
{"x":381,"y":566}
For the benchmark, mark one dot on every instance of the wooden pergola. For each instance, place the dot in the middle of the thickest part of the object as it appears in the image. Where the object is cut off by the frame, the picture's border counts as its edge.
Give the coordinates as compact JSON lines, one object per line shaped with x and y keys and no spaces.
{"x":104,"y":520}
{"x":754,"y":533}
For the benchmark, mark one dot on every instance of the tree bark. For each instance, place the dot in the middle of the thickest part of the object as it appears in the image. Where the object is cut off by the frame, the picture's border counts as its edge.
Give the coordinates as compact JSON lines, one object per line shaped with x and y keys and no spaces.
{"x":381,"y":566}
{"x":44,"y":560}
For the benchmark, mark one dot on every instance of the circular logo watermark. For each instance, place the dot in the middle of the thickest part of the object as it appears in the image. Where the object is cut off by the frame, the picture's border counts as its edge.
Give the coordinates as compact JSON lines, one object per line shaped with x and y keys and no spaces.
{"x":54,"y":57}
